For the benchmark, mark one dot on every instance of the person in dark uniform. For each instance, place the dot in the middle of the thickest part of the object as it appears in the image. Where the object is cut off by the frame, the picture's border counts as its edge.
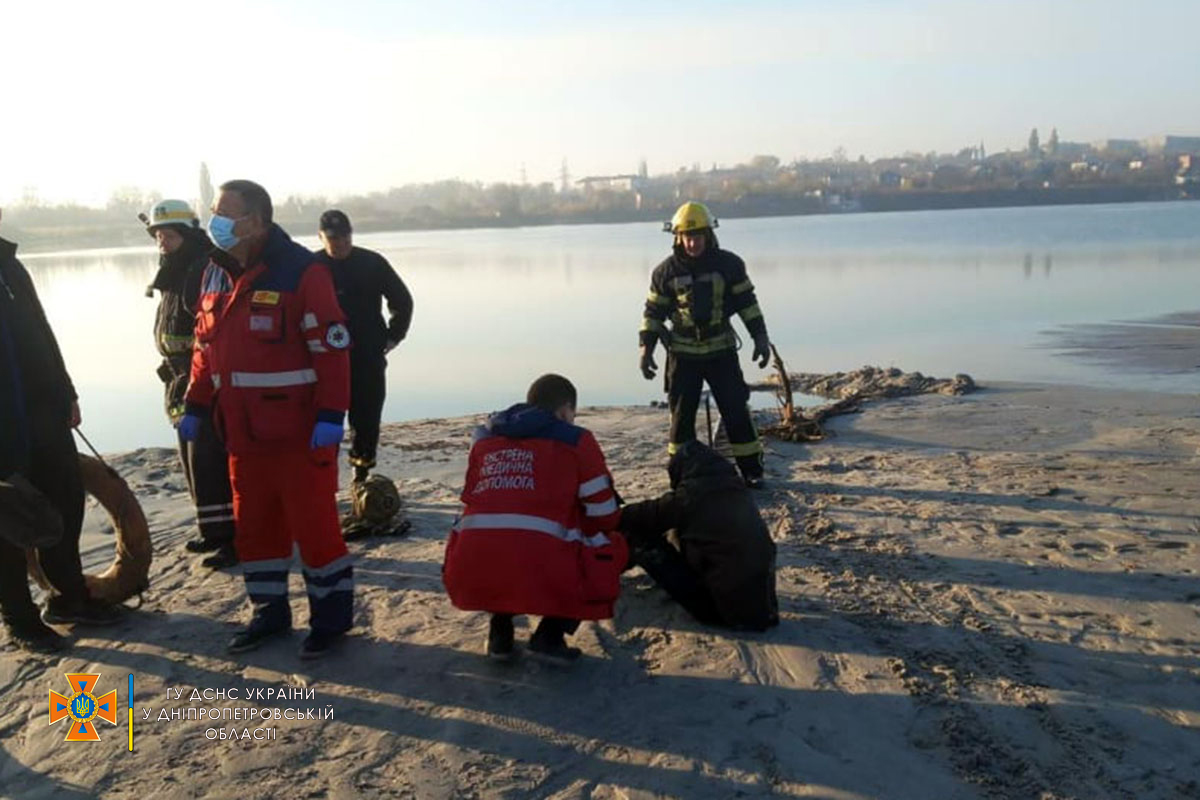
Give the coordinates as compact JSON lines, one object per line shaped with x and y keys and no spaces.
{"x":720,"y":565}
{"x":698,"y":288}
{"x":184,"y":250}
{"x":38,"y":409}
{"x":364,"y":279}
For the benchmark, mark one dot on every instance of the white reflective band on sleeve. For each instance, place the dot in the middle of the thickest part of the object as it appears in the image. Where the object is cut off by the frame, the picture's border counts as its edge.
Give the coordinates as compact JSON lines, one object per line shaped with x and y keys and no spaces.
{"x":601,"y":509}
{"x":588,"y":488}
{"x":309,"y":322}
{"x":220,"y":518}
{"x":272,"y":380}
{"x":217,"y":507}
{"x":316,"y":347}
{"x":216,"y":379}
{"x":527,"y":522}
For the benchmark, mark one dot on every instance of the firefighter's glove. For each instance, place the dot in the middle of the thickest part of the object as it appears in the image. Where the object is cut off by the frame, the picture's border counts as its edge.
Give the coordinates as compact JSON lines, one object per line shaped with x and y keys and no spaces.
{"x":762,"y":350}
{"x":326,"y":433}
{"x":189,"y":427}
{"x":648,"y":366}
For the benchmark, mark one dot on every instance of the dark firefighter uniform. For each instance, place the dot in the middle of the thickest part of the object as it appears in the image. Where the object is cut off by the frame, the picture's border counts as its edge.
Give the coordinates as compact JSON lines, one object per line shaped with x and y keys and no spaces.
{"x":205,"y":463}
{"x":697,"y":297}
{"x":363,"y":280}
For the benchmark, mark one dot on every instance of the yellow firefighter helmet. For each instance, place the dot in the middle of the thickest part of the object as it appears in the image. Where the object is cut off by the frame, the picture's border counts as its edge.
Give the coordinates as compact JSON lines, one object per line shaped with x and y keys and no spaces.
{"x":691,"y":216}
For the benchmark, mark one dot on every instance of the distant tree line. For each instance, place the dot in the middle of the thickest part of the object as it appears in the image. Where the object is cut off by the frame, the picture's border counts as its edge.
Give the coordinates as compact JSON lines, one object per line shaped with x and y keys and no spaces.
{"x":1057,"y":171}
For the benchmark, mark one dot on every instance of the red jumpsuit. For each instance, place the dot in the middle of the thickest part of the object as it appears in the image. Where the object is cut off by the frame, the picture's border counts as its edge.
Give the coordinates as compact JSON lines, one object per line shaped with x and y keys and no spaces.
{"x":536,"y":535}
{"x":270,"y":361}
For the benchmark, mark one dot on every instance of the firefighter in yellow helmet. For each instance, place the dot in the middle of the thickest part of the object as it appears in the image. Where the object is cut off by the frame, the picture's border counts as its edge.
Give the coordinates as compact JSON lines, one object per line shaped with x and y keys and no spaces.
{"x":696,"y":290}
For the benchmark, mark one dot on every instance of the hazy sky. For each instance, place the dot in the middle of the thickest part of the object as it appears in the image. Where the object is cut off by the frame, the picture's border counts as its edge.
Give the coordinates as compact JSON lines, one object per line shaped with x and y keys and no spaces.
{"x":354,"y":95}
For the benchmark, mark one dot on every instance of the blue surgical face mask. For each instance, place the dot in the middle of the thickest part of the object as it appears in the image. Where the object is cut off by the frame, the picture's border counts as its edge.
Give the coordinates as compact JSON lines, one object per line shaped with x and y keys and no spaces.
{"x":221,"y":230}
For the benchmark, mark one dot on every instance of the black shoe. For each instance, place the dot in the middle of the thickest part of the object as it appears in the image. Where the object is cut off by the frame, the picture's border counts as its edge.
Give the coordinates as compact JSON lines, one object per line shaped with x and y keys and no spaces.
{"x":500,"y":638}
{"x":83,"y":612}
{"x":225,"y":557}
{"x":756,"y":482}
{"x":318,"y":644}
{"x":37,"y":637}
{"x":254,"y":635}
{"x":201,"y":545}
{"x":553,"y":649}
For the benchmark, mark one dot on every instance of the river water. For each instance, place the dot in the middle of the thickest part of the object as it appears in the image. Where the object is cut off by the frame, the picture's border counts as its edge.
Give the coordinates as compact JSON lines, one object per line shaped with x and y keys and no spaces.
{"x":980,"y":291}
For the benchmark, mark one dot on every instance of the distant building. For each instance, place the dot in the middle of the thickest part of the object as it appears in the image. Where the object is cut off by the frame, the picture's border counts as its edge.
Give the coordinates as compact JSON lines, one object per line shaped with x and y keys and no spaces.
{"x":890,"y":179}
{"x":1112,"y":147}
{"x":609,"y":183}
{"x":1173,"y":145}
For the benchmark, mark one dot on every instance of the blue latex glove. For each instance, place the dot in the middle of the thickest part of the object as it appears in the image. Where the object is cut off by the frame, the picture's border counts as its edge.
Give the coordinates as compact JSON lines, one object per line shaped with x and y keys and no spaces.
{"x":189,"y":427}
{"x":326,"y":433}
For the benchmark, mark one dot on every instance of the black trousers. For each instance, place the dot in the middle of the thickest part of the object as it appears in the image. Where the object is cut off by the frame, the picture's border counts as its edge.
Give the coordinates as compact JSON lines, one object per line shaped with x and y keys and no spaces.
{"x":686,"y":376}
{"x":549,"y":626}
{"x":206,"y":467}
{"x":368,"y":387}
{"x":670,"y":570}
{"x":54,"y":470}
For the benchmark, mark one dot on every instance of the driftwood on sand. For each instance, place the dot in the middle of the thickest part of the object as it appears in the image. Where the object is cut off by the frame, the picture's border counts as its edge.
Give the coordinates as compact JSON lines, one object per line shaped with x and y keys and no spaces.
{"x":850,"y":389}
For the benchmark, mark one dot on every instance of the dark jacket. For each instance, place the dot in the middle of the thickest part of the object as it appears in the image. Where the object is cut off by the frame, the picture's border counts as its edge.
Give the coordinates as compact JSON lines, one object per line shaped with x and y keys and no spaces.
{"x":33,"y":378}
{"x":698,"y":296}
{"x":363,"y":280}
{"x":178,"y":282}
{"x":721,"y":535}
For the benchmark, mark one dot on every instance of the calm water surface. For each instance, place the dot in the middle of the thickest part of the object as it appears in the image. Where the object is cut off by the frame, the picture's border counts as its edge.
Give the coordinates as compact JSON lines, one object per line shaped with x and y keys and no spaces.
{"x":941,"y":292}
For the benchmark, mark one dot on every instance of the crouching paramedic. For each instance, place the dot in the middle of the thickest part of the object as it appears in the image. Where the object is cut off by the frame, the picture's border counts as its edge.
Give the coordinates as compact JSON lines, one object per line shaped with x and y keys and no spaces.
{"x":271,"y":367}
{"x":536,"y":532}
{"x":698,"y":288}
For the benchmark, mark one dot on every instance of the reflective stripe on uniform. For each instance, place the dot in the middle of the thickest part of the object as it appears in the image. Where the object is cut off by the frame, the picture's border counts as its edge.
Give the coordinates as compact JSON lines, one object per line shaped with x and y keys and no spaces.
{"x":658,"y":299}
{"x":750,"y":312}
{"x":173,"y":344}
{"x":316,"y":346}
{"x":333,"y":566}
{"x":266,"y":587}
{"x":589,"y":488}
{"x":267,"y":565}
{"x":651,"y":324}
{"x":740,"y":449}
{"x":273,"y":380}
{"x":725,"y":341}
{"x":743,"y":287}
{"x":216,"y":380}
{"x":600,"y":509}
{"x":309,"y":322}
{"x":344,"y":585}
{"x":528,"y":522}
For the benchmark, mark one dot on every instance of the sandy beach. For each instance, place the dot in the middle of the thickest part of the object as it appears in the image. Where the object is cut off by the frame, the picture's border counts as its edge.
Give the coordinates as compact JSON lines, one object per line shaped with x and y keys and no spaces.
{"x":989,"y":596}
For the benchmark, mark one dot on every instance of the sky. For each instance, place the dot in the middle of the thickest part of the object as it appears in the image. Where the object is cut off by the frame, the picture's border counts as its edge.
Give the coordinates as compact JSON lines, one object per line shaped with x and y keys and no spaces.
{"x":329,"y":98}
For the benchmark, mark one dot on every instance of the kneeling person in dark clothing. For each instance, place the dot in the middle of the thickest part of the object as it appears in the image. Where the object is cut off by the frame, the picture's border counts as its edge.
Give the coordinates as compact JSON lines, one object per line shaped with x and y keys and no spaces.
{"x":723,"y":571}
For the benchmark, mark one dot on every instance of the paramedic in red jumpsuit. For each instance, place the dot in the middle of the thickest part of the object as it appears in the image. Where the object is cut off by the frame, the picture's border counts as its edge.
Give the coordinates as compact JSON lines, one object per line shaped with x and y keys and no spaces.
{"x":271,"y":367}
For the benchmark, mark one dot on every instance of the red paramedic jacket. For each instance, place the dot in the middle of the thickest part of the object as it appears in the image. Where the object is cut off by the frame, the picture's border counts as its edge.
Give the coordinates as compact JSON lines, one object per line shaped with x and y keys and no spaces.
{"x":537,"y":532}
{"x":271,"y":350}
